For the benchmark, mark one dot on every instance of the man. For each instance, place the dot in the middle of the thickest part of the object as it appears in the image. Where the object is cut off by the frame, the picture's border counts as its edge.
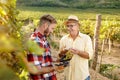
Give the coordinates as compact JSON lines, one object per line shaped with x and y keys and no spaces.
{"x":43,"y":63}
{"x":80,"y":45}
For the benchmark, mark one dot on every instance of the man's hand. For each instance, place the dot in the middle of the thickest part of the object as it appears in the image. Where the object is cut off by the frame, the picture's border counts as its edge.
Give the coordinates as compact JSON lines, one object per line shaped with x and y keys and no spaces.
{"x":74,"y":51}
{"x":58,"y":68}
{"x":80,"y":53}
{"x":63,"y":52}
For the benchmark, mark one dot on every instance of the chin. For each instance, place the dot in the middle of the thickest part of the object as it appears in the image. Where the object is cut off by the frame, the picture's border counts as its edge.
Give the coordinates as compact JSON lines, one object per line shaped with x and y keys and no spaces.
{"x":47,"y":34}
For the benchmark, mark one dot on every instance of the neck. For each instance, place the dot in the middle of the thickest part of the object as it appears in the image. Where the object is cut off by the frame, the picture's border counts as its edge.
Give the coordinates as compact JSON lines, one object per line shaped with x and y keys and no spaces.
{"x":74,"y":35}
{"x":41,"y":30}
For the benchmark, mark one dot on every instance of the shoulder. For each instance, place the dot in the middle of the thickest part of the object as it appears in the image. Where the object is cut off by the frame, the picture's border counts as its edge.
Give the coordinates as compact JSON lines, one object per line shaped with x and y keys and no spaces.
{"x":85,"y":36}
{"x":65,"y":37}
{"x":33,"y":36}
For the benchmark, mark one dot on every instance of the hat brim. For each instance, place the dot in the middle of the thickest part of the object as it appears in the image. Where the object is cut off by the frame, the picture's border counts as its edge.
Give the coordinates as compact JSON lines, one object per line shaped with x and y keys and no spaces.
{"x":70,"y":21}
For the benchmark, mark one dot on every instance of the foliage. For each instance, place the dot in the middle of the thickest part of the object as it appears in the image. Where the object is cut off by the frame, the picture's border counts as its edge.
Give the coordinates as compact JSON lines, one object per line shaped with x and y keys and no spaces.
{"x":116,"y":36}
{"x":87,"y":27}
{"x":6,"y":73}
{"x":34,"y":48}
{"x":24,"y":75}
{"x":12,"y":37}
{"x":106,"y":69}
{"x":109,"y":28}
{"x":11,"y":41}
{"x":9,"y":34}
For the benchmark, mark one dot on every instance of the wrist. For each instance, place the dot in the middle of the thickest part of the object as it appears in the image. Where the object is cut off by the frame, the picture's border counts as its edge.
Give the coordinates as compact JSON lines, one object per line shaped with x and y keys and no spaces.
{"x":79,"y":52}
{"x":54,"y":68}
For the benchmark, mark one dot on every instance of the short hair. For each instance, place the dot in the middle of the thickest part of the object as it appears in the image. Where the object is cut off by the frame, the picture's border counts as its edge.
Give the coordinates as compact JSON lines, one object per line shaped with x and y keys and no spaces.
{"x":47,"y":18}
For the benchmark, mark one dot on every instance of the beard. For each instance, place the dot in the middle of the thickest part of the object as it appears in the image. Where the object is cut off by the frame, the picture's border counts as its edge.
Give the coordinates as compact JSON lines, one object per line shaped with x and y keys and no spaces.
{"x":46,"y":32}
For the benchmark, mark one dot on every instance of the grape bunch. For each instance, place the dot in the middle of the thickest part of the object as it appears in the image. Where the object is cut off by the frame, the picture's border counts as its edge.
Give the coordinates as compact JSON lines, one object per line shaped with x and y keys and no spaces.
{"x":65,"y":57}
{"x":68,"y":55}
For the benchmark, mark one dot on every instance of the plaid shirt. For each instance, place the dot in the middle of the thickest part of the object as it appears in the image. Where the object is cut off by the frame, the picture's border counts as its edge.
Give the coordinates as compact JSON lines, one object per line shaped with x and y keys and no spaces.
{"x":42,"y":61}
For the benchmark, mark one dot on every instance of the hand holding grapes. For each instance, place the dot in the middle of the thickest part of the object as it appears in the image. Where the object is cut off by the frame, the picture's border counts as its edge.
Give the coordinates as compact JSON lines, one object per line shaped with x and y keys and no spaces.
{"x":74,"y":51}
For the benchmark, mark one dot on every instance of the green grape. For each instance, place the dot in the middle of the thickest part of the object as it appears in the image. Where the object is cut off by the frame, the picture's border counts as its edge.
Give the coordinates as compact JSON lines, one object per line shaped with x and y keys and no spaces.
{"x":34,"y":48}
{"x":68,"y":55}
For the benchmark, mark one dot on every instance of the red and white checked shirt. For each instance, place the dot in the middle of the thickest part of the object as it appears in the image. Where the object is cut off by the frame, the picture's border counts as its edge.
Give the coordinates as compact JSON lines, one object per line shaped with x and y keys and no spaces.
{"x":44,"y":60}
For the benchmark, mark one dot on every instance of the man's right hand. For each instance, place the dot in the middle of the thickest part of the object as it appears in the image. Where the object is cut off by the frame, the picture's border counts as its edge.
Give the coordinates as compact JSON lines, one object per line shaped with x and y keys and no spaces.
{"x":58,"y":68}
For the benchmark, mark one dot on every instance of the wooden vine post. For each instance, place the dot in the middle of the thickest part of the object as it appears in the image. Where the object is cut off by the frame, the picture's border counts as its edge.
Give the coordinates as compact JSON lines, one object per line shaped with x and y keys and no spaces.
{"x":96,"y":39}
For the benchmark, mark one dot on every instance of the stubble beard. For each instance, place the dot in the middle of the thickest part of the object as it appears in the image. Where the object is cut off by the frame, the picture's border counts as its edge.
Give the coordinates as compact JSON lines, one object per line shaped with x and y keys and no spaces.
{"x":46,"y":32}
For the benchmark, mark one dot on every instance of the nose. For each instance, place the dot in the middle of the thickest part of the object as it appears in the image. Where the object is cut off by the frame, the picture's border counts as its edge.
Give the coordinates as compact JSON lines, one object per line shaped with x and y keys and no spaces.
{"x":69,"y":28}
{"x":51,"y":31}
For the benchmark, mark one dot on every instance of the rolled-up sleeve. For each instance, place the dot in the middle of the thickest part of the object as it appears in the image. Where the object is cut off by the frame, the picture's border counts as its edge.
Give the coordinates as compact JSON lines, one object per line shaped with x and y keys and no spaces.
{"x":89,"y":47}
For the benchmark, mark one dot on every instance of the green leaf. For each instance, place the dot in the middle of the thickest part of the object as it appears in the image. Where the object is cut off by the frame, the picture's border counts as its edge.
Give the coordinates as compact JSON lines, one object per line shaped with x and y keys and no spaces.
{"x":34,"y":48}
{"x":6,"y":73}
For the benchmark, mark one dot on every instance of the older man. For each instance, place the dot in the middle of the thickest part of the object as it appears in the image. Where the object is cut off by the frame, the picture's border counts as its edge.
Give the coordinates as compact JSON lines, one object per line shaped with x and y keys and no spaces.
{"x":80,"y":45}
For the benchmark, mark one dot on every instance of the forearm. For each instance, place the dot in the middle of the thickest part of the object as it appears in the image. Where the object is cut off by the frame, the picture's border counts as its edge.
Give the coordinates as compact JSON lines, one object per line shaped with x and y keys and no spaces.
{"x":34,"y":69}
{"x":43,"y":70}
{"x":83,"y":54}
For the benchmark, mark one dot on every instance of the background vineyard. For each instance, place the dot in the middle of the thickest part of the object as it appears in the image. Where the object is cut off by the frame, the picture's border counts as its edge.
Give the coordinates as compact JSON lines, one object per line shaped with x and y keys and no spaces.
{"x":110,"y":27}
{"x":16,"y":24}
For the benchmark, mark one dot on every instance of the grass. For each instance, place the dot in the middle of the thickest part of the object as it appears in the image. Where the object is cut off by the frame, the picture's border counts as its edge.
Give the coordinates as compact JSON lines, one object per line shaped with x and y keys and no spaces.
{"x":63,"y":13}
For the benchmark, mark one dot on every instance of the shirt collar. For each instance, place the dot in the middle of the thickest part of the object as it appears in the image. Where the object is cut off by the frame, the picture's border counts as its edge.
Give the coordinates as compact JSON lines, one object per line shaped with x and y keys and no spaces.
{"x":39,"y":35}
{"x":79,"y":34}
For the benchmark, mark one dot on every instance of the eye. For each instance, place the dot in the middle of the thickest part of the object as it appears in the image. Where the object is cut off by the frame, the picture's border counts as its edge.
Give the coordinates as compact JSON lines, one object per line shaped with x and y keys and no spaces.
{"x":70,"y":26}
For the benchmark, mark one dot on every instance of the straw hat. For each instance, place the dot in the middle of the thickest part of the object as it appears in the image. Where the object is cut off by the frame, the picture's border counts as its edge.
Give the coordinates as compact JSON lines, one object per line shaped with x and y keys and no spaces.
{"x":72,"y":18}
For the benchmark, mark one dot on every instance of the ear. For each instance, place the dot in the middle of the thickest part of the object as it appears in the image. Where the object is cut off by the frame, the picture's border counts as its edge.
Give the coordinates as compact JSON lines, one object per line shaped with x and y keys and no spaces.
{"x":45,"y":26}
{"x":79,"y":24}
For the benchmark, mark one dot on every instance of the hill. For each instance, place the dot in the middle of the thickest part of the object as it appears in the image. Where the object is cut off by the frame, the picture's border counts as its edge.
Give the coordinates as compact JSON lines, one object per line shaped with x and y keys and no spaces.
{"x":72,"y":3}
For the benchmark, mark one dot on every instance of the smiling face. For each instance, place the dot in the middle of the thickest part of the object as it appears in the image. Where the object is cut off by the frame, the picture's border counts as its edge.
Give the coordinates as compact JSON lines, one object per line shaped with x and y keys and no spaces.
{"x":72,"y":27}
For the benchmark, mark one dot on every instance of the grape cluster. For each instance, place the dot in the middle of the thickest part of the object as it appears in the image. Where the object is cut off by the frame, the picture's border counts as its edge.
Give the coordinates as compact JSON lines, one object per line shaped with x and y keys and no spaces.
{"x":65,"y":57}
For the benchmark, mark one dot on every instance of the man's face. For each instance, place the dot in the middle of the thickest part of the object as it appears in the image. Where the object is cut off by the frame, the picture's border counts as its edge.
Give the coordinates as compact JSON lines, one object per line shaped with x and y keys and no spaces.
{"x":72,"y":27}
{"x":49,"y":29}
